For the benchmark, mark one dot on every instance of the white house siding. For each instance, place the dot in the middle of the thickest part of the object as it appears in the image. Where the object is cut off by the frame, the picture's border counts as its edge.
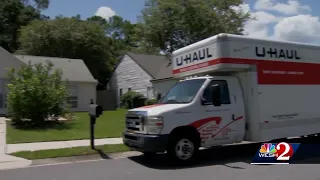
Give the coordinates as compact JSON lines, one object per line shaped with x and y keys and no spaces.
{"x":85,"y":92}
{"x":6,"y":61}
{"x":129,"y":74}
{"x":163,"y":86}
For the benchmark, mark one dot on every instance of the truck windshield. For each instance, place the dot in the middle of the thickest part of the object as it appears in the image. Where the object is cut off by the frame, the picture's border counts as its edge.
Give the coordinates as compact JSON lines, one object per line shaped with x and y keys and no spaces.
{"x":183,"y":92}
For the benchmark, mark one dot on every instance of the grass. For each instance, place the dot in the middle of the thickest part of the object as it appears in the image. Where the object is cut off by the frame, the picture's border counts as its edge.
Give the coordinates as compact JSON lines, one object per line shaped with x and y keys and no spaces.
{"x":110,"y":124}
{"x":67,"y":152}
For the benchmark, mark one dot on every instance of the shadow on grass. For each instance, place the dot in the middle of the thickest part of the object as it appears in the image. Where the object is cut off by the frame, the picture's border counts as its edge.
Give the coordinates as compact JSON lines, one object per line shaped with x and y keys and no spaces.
{"x":231,"y":156}
{"x":57,"y":125}
{"x":102,"y":154}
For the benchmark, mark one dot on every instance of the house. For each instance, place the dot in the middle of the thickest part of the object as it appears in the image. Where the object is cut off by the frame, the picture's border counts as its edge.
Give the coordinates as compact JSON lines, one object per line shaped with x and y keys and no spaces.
{"x":81,"y":84}
{"x":147,"y":74}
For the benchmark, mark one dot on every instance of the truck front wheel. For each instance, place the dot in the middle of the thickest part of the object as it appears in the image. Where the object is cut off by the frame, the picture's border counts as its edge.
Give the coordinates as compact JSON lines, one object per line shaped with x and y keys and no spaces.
{"x":183,"y":148}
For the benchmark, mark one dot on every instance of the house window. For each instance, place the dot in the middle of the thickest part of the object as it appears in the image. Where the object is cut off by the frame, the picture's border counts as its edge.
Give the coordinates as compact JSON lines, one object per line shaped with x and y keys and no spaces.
{"x":2,"y":94}
{"x":6,"y":90}
{"x":1,"y":100}
{"x":5,"y":100}
{"x":73,"y":96}
{"x":120,"y":92}
{"x":224,"y":91}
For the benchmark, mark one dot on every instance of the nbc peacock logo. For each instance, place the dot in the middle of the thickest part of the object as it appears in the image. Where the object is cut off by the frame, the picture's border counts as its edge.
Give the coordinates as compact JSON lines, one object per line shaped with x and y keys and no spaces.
{"x":267,"y":150}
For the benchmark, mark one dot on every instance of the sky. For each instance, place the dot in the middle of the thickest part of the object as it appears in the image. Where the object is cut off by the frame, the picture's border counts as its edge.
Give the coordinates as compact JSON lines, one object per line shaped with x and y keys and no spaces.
{"x":291,"y":20}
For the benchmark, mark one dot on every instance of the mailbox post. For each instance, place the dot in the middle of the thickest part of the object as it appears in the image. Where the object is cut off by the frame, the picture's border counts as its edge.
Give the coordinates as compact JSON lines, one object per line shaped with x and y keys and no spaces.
{"x":94,"y":112}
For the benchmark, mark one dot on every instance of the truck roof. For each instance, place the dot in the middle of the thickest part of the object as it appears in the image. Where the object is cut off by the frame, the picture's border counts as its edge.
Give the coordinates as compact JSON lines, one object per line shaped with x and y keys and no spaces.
{"x":233,"y":37}
{"x":196,"y":77}
{"x":201,"y":77}
{"x":228,"y":53}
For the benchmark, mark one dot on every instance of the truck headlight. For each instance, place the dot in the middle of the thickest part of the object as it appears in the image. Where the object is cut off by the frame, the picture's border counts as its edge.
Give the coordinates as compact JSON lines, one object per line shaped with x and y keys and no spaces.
{"x":153,"y":124}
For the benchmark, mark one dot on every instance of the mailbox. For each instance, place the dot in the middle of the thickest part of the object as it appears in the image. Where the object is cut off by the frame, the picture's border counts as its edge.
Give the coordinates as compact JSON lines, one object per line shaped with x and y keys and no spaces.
{"x":95,"y":110}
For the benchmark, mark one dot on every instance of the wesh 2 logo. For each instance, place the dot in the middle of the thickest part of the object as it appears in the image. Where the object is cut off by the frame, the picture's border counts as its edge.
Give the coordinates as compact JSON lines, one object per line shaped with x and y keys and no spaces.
{"x":281,"y":151}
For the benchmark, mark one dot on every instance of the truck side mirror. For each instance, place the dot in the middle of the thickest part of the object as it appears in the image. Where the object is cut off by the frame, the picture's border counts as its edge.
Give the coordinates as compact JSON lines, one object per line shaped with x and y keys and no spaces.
{"x":95,"y":110}
{"x":216,"y":96}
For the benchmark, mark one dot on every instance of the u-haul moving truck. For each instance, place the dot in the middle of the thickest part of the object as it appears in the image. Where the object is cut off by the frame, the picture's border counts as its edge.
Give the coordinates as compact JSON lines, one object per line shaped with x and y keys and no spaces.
{"x":247,"y":89}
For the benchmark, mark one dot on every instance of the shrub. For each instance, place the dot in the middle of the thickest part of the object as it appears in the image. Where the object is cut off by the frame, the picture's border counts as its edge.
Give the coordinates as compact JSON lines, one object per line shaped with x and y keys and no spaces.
{"x":36,"y":92}
{"x":132,"y":99}
{"x":151,"y":101}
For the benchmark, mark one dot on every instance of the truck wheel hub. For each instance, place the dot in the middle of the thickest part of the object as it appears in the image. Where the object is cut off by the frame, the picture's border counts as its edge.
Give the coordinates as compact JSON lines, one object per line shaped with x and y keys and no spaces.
{"x":184,"y":149}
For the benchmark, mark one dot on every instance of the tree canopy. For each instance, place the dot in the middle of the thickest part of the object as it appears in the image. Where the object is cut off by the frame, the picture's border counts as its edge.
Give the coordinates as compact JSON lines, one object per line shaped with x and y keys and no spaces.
{"x":171,"y":25}
{"x":70,"y":38}
{"x":13,"y":15}
{"x":39,"y":4}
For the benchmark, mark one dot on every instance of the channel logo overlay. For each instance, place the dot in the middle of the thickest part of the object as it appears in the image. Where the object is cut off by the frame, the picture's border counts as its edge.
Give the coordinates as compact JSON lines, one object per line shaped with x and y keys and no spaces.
{"x":268,"y":148}
{"x":275,"y":153}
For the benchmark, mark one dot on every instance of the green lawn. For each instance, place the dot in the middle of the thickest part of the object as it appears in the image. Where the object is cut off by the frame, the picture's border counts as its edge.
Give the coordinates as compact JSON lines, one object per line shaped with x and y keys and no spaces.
{"x":76,"y":151}
{"x":110,"y":124}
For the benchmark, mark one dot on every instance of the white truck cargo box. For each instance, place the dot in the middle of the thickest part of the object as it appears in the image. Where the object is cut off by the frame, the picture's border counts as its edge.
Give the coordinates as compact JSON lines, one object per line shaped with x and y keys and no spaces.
{"x":280,"y":80}
{"x":246,"y":89}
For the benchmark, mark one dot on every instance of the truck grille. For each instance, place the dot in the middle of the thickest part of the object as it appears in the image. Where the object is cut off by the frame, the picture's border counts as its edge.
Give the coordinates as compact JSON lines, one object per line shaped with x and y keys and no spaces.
{"x":134,"y":122}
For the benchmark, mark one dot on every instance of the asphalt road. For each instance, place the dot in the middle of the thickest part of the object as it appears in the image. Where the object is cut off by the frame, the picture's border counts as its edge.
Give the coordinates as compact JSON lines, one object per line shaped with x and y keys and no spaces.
{"x":226,"y":163}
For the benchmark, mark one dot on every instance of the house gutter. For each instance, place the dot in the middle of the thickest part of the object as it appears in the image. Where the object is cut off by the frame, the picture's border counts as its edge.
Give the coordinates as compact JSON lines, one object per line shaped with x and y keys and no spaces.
{"x":159,"y":80}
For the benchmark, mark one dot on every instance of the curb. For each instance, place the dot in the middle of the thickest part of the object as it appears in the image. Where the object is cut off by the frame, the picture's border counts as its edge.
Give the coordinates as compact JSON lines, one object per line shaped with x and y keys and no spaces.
{"x":11,"y":162}
{"x":8,"y":161}
{"x":83,"y":158}
{"x":34,"y":146}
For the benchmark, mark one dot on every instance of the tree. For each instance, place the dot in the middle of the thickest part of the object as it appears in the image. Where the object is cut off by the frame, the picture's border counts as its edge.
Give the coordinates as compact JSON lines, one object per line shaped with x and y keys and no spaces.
{"x":70,"y":38}
{"x":13,"y":15}
{"x":36,"y":92}
{"x":116,"y":47}
{"x":100,"y":21}
{"x":125,"y":35}
{"x":121,"y":31}
{"x":171,"y":25}
{"x":39,"y":4}
{"x":143,"y":44}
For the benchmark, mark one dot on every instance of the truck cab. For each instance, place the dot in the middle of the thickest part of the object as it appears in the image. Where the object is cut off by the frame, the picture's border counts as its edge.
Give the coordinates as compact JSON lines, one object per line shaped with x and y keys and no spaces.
{"x":197,"y":112}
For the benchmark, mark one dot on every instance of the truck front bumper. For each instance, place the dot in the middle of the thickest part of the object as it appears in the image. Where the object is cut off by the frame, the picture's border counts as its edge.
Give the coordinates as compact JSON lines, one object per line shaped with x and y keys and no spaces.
{"x":145,"y":142}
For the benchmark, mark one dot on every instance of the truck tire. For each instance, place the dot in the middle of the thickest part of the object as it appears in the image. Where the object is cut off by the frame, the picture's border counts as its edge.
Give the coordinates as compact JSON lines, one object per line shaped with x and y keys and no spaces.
{"x":183,"y":149}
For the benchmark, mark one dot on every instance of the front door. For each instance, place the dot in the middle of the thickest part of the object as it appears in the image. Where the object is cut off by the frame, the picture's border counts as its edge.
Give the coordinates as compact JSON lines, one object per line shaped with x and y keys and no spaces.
{"x":222,"y":128}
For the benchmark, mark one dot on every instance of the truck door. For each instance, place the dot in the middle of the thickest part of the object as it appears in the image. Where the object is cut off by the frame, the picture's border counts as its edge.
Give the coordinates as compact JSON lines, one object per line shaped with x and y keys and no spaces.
{"x":229,"y":119}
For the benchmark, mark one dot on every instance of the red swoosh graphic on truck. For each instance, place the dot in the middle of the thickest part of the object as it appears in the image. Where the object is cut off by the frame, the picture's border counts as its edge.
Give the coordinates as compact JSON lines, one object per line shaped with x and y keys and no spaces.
{"x":236,"y":119}
{"x":202,"y":122}
{"x":153,"y":105}
{"x":199,"y":124}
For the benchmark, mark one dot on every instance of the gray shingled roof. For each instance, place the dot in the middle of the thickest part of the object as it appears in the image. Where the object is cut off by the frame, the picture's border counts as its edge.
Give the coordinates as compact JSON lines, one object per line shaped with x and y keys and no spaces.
{"x":74,"y":70}
{"x":156,"y":66}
